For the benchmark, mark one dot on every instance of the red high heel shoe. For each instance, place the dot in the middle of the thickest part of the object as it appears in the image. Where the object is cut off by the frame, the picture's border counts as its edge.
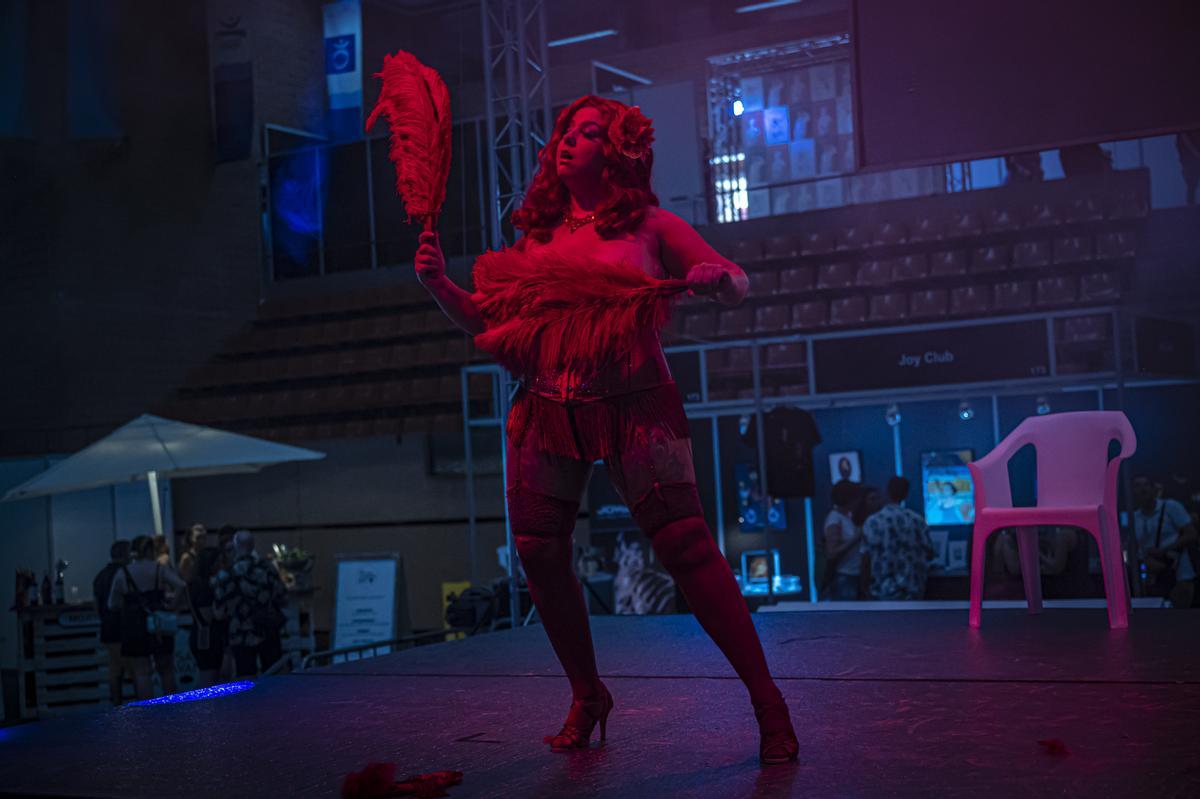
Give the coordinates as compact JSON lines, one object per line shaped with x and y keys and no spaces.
{"x":777,"y":740}
{"x":581,"y":719}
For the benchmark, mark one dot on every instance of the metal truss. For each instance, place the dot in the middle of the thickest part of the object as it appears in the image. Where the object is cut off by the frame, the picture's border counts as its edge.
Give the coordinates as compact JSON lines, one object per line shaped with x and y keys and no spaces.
{"x":517,"y":88}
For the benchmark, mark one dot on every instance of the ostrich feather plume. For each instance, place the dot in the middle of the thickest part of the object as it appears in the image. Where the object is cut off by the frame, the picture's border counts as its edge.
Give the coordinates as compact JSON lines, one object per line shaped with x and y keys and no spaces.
{"x":417,"y":104}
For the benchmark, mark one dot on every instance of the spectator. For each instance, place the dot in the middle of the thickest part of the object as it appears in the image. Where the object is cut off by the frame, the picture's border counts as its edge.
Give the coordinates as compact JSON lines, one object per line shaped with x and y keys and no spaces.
{"x":162,"y":550}
{"x":1003,"y":568}
{"x":896,"y":548}
{"x":208,"y":639}
{"x":1063,"y":561}
{"x":251,"y":595}
{"x":187,"y":559}
{"x":1164,"y":531}
{"x":110,"y":621}
{"x":139,"y":590}
{"x":842,"y":567}
{"x":1188,"y":146}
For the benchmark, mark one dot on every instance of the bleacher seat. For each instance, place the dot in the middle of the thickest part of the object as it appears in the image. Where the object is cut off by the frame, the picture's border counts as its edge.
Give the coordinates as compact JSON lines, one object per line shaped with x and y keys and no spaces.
{"x":1028,"y":254}
{"x":1080,"y":329}
{"x":1057,"y":290}
{"x":699,"y":324}
{"x":1127,"y":205}
{"x":1118,"y":244}
{"x":810,"y":314}
{"x":763,"y":283}
{"x":449,"y":388}
{"x":874,"y":273}
{"x":797,"y":279}
{"x":853,"y":238}
{"x":782,"y":246}
{"x":910,"y":267}
{"x":993,"y":258}
{"x":771,"y":318}
{"x":889,"y":233}
{"x":848,"y":311}
{"x":735,"y":321}
{"x":964,"y":224}
{"x":747,"y":251}
{"x":947,"y":263}
{"x":1099,"y":286}
{"x":403,"y":356}
{"x":928,"y":304}
{"x":928,"y":228}
{"x":835,"y":276}
{"x":970,"y":300}
{"x":889,"y":307}
{"x":788,"y":353}
{"x":1084,"y":209}
{"x":1071,"y":249}
{"x":1042,"y":215}
{"x":431,"y":351}
{"x":1016,"y":295}
{"x":364,"y":396}
{"x":817,"y":243}
{"x":1001,"y":220}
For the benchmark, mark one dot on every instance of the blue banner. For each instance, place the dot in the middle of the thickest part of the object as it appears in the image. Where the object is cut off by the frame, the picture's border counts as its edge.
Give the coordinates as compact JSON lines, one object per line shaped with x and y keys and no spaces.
{"x":343,"y":68}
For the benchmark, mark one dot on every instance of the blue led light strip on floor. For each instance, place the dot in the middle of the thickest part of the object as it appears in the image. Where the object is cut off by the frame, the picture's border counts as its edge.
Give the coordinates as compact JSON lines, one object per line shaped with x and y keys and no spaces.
{"x":199,"y":694}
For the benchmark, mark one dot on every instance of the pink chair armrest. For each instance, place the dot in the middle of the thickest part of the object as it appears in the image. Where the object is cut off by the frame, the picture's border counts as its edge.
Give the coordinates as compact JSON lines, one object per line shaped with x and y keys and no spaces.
{"x":990,"y":472}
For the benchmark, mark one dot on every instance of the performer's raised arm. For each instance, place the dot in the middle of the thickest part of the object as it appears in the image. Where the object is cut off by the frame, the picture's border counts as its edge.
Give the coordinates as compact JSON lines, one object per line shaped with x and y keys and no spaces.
{"x":685,"y":254}
{"x":455,"y":302}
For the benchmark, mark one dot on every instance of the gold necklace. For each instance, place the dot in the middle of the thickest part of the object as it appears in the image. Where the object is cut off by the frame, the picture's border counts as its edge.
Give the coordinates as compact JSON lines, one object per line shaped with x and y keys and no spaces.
{"x":575,"y":223}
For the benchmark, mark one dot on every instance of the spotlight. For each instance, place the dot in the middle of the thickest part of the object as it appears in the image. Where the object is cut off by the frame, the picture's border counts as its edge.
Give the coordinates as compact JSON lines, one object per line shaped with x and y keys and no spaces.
{"x":738,"y":108}
{"x":892,"y":415}
{"x":965,"y":411}
{"x":1043,"y":406}
{"x":743,"y":424}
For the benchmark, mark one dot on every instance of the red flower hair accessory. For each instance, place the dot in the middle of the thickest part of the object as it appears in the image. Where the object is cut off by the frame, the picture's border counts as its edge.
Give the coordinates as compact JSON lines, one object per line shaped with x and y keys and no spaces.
{"x":631,"y":133}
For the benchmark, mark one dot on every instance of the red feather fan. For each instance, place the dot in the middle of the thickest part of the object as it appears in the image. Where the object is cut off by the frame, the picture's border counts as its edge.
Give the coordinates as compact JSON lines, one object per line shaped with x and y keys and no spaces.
{"x":417,"y":105}
{"x":548,"y":311}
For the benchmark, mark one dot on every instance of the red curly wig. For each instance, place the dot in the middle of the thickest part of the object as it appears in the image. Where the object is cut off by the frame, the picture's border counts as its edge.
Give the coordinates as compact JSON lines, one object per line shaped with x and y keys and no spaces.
{"x":548,"y":200}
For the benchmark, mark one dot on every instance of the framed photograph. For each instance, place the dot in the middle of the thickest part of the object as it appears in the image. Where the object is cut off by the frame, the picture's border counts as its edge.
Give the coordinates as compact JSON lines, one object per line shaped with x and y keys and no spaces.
{"x":752,"y":94}
{"x":775,"y":119}
{"x":845,"y":466}
{"x":803,"y":161}
{"x":956,"y":555}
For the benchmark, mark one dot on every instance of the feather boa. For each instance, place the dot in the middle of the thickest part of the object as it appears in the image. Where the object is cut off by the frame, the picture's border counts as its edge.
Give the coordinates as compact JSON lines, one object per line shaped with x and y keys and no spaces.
{"x":546,"y":312}
{"x":417,"y":105}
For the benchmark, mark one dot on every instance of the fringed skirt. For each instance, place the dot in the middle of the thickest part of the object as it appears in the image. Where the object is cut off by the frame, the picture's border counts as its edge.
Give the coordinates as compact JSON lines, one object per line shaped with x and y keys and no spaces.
{"x":594,"y":428}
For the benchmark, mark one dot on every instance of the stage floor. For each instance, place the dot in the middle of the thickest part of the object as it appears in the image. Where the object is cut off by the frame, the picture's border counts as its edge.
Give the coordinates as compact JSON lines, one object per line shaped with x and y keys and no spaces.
{"x":898,"y":703}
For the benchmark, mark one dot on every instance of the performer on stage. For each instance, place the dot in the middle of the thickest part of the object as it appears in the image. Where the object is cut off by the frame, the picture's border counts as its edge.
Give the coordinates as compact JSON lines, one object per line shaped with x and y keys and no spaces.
{"x":595,"y":386}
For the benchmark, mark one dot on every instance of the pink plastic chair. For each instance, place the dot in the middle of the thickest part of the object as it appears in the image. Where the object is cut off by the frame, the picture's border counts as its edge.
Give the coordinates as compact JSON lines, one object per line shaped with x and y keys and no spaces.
{"x":1076,"y":485}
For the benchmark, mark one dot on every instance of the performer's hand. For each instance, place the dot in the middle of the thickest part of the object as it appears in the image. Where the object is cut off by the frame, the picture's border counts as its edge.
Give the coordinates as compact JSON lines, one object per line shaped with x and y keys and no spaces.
{"x":707,"y":279}
{"x":430,"y":263}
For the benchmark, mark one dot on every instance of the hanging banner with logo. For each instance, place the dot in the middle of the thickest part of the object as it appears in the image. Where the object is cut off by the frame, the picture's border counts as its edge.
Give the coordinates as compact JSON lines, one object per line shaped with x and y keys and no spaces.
{"x":343,"y":68}
{"x":978,"y":353}
{"x":232,"y":79}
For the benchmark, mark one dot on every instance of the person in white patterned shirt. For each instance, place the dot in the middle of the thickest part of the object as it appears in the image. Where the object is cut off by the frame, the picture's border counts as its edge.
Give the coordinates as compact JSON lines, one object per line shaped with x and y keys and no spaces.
{"x":896,"y":548}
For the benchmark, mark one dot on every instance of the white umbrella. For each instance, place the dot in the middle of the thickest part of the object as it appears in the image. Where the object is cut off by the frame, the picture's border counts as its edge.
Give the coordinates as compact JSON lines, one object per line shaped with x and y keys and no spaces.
{"x":151,"y":447}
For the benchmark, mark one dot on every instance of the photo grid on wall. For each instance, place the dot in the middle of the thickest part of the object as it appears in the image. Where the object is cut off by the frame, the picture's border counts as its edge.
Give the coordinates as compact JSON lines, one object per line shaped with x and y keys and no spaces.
{"x":797,"y":127}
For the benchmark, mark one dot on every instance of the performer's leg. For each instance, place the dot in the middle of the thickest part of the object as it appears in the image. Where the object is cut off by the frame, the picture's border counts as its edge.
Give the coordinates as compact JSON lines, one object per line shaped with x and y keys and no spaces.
{"x":543,"y":499}
{"x":658,"y":482}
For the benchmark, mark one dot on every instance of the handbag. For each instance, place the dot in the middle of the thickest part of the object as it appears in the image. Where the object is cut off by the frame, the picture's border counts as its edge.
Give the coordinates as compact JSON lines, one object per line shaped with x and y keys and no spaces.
{"x":158,"y":622}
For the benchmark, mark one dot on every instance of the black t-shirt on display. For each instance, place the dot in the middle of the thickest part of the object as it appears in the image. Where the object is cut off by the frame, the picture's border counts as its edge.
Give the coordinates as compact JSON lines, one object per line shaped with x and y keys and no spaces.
{"x":791,"y":435}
